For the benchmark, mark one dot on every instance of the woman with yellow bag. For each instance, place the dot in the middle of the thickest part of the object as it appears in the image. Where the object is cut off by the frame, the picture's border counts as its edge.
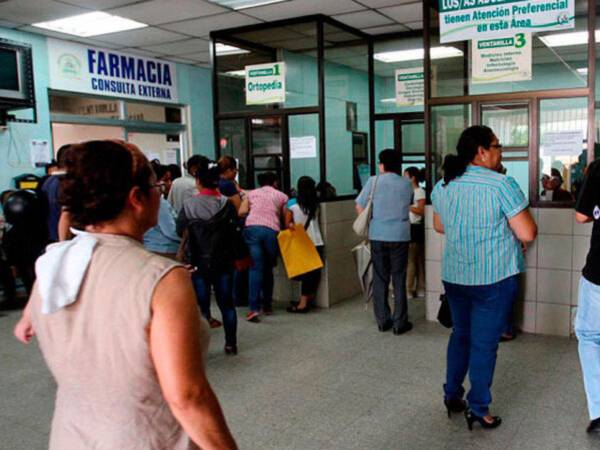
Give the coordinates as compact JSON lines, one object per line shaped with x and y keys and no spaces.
{"x":304,"y":210}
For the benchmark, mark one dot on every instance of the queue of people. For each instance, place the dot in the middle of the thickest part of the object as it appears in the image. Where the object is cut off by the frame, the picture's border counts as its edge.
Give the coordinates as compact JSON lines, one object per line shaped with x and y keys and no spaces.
{"x":205,"y":237}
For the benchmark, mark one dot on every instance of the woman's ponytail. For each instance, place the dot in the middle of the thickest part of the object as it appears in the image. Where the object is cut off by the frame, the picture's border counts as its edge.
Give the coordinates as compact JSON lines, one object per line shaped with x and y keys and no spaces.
{"x":454,"y":166}
{"x":467,"y":147}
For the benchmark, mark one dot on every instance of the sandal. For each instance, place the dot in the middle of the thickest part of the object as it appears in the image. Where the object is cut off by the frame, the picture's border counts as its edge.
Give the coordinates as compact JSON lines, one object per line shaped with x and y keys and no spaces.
{"x":295,"y":309}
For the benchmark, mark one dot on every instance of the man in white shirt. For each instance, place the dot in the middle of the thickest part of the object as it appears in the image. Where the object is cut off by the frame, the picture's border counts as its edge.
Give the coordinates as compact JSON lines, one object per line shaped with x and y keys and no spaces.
{"x":184,"y":187}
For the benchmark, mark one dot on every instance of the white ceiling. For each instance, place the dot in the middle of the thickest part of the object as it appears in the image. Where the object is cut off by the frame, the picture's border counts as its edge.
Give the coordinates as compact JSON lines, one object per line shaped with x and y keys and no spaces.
{"x":179,"y":29}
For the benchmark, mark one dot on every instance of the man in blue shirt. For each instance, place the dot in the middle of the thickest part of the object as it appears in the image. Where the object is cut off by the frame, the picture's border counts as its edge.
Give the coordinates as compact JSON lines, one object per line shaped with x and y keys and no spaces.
{"x":389,"y":233}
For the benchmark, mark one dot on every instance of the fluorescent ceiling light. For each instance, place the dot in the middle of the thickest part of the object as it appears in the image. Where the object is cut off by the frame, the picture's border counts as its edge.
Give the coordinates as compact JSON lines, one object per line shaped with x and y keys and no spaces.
{"x":388,"y":100}
{"x":242,"y":4}
{"x":236,"y":73}
{"x":583,"y":70}
{"x":223,"y":49}
{"x":565,"y":39}
{"x":91,"y":24}
{"x":418,"y":54}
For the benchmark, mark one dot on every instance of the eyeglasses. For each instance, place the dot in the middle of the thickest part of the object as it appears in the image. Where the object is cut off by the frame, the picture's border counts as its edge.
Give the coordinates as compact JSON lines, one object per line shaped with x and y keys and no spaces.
{"x":498,"y":146}
{"x":162,"y":187}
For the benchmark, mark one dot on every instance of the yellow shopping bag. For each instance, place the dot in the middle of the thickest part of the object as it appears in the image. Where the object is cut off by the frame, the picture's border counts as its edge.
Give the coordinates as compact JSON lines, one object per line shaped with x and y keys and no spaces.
{"x":298,"y":252}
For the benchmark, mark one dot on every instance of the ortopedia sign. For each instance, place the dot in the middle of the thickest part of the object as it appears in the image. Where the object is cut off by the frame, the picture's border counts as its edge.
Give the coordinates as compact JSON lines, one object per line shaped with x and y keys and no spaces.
{"x":265,"y":83}
{"x":462,"y":20}
{"x":410,"y":87}
{"x":501,"y":60}
{"x":79,"y":68}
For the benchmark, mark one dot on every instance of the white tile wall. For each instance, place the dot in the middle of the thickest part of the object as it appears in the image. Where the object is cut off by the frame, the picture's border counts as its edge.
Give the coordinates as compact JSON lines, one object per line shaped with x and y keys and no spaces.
{"x":432,"y":305}
{"x":582,"y":229}
{"x":433,"y":245}
{"x":553,"y":319}
{"x":525,"y":313}
{"x":531,"y":254}
{"x":433,"y":274}
{"x":554,"y":286}
{"x":428,"y":216}
{"x":555,"y":221}
{"x":575,"y":278}
{"x":529,"y":285}
{"x":581,"y":247}
{"x":548,"y":290}
{"x":555,"y":251}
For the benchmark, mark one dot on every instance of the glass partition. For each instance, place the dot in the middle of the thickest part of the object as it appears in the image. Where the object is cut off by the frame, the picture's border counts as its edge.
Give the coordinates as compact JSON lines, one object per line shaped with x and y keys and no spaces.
{"x":232,"y":142}
{"x":563,"y":148}
{"x":305,"y":149}
{"x":230,"y":62}
{"x":392,"y":59}
{"x":346,"y":105}
{"x":510,"y":123}
{"x":447,"y":123}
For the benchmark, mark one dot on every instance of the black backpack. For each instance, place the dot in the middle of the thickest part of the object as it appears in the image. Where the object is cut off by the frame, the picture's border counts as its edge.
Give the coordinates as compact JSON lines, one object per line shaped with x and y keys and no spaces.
{"x":216,"y":243}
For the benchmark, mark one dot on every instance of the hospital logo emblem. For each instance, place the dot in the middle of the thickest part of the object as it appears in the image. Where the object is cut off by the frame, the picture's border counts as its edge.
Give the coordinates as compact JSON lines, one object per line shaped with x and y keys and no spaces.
{"x":69,"y":65}
{"x":596,"y":213}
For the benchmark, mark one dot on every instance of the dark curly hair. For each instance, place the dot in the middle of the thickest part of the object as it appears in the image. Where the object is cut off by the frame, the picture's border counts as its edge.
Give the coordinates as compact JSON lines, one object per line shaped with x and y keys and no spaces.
{"x":100,"y":175}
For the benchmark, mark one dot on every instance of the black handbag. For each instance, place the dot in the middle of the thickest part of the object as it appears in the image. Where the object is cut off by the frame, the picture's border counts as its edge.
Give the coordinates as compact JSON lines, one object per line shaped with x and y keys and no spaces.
{"x":444,"y":315}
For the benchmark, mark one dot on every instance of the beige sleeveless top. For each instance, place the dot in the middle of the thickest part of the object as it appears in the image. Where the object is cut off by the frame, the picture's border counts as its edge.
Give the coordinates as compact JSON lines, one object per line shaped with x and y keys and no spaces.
{"x":97,"y":349}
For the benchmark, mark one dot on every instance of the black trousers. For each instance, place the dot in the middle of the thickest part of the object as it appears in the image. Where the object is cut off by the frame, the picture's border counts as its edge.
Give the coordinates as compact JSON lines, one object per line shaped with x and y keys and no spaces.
{"x":310,"y":281}
{"x":390,"y":260}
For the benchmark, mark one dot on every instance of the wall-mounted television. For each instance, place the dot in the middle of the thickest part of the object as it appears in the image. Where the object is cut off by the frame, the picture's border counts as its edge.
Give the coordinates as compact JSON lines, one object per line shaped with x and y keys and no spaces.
{"x":16,"y":75}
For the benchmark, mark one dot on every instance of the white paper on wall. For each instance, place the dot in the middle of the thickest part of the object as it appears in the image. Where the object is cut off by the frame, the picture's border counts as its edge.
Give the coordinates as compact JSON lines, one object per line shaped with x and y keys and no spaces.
{"x":303,"y":147}
{"x":40,"y":153}
{"x":562,"y":143}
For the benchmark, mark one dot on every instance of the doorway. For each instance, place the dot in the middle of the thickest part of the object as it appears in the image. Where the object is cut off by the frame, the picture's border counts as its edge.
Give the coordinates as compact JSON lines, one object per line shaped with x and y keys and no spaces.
{"x":404,"y":133}
{"x":287,"y":144}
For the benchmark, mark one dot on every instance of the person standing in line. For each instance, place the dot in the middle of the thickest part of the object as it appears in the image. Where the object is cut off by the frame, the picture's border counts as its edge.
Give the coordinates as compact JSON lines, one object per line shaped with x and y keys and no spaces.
{"x":389,"y":233}
{"x":416,"y":250}
{"x":51,"y":191}
{"x":304,"y":210}
{"x":229,"y":187}
{"x":120,"y":330}
{"x":587,"y":321}
{"x":211,"y":224}
{"x":162,"y":238}
{"x":184,"y":187}
{"x":163,"y":174}
{"x":267,"y":208}
{"x":484,"y":216}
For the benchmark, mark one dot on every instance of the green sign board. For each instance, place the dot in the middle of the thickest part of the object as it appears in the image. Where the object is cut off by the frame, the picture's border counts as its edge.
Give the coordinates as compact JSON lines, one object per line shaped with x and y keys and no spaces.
{"x":462,"y":20}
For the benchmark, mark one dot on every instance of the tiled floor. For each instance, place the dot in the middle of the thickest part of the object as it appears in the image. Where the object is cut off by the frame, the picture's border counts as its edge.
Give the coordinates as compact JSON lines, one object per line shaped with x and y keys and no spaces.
{"x":330,"y":380}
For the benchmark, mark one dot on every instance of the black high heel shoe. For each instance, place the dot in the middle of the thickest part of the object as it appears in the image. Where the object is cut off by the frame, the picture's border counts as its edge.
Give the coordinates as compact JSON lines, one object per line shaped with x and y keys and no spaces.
{"x":472,"y":418}
{"x":455,"y":405}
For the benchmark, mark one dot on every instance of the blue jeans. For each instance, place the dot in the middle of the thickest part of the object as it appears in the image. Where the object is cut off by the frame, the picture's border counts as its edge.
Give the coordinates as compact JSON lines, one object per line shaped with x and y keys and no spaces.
{"x":262,"y":243}
{"x":222,"y":284}
{"x":479,"y":314}
{"x":587,"y":329}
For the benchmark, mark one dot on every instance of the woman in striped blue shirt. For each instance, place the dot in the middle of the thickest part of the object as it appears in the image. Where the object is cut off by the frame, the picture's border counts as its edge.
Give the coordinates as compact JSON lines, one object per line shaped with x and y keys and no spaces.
{"x":485,"y":218}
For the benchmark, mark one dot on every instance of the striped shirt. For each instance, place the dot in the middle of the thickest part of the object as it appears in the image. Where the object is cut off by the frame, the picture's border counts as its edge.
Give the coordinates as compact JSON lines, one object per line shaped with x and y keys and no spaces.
{"x":480,"y":247}
{"x":266,"y":207}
